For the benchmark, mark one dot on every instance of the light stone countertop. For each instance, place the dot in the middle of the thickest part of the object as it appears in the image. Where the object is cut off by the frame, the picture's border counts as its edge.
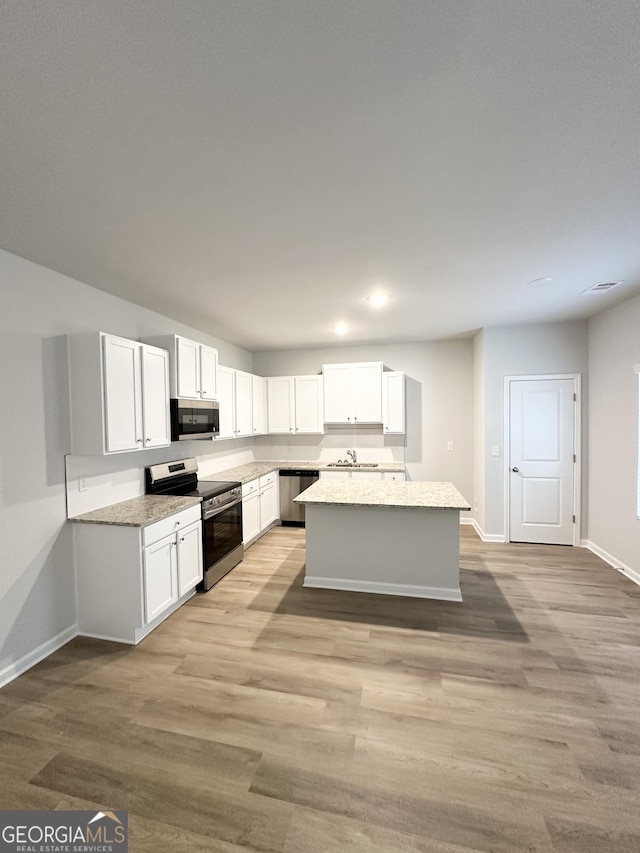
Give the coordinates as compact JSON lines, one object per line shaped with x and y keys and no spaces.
{"x":251,"y":470}
{"x":137,"y":512}
{"x":387,"y":494}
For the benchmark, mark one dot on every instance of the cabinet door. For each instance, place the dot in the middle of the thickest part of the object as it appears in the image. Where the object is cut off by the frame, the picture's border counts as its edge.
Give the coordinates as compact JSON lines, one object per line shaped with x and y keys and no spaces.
{"x":155,"y":397}
{"x":188,"y":372}
{"x":189,"y":557}
{"x":367,"y":475}
{"x":280,"y":404}
{"x":308,"y":403}
{"x":259,"y":404}
{"x":160,"y":577}
{"x":337,"y":406}
{"x":208,"y":373}
{"x":122,"y":394}
{"x":268,"y":508}
{"x":227,"y":398}
{"x":250,"y":516}
{"x":366,"y":393}
{"x":393,"y":402}
{"x":335,"y":475}
{"x":244,"y":403}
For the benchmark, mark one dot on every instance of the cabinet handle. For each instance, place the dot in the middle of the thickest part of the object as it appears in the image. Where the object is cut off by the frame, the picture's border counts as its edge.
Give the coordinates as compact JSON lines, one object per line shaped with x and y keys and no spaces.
{"x":139,"y":440}
{"x":176,"y":524}
{"x":182,"y":538}
{"x":355,"y":419}
{"x":148,"y":440}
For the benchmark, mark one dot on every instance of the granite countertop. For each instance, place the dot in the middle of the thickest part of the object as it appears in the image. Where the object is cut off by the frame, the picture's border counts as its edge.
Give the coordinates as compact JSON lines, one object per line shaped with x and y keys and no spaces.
{"x":387,"y":494}
{"x":251,"y":470}
{"x":137,"y":512}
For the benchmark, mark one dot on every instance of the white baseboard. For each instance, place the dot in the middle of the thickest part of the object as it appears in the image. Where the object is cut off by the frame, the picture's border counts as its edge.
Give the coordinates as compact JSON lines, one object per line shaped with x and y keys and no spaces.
{"x":628,"y":572}
{"x":13,"y":670}
{"x":486,"y":537}
{"x":380,"y":588}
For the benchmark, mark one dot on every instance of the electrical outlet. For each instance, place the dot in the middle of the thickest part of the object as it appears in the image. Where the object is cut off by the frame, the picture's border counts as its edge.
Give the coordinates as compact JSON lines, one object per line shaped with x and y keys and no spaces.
{"x":475,"y":504}
{"x":450,"y":446}
{"x":82,"y":484}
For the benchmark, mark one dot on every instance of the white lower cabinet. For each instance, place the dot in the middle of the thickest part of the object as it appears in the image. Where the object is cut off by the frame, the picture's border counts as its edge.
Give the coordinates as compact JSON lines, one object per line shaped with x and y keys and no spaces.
{"x":172,"y":567}
{"x":341,"y":474}
{"x":130,"y":578}
{"x":260,"y":506}
{"x":250,"y":512}
{"x":160,"y":577}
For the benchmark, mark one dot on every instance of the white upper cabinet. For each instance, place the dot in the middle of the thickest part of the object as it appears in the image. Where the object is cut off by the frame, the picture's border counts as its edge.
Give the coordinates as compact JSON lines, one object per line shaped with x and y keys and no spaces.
{"x":227,"y":401}
{"x":122,"y":394}
{"x":281,"y":411}
{"x":337,"y":393}
{"x":308,"y":404}
{"x":119,"y":394}
{"x":294,"y":404}
{"x":208,"y":373}
{"x":193,"y":367}
{"x":393,"y":402}
{"x":155,"y":393}
{"x":259,"y":404}
{"x":353,"y":393}
{"x":187,"y":369}
{"x":244,"y":404}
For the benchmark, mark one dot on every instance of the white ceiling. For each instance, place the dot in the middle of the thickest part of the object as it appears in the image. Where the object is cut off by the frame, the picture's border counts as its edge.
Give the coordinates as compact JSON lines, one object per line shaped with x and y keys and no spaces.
{"x":255,"y":168}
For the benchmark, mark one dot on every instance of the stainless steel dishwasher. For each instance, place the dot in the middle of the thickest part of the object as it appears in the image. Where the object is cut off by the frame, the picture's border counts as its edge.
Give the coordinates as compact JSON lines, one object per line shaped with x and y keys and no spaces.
{"x":292,"y":482}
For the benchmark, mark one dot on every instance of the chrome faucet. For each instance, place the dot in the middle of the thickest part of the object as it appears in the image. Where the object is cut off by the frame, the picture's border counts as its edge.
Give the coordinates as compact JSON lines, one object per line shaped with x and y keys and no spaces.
{"x":352,"y":456}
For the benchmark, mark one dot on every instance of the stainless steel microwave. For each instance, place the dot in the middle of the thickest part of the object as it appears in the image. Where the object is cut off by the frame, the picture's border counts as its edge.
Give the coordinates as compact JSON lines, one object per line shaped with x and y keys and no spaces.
{"x":194,"y":419}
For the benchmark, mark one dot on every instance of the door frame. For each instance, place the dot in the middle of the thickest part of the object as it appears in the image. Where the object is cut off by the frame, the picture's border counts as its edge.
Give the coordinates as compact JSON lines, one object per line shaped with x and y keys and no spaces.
{"x":577,"y":445}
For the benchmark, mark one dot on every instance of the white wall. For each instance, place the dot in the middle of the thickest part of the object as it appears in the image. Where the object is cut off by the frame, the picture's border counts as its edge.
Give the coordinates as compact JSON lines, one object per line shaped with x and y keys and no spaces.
{"x":614,"y":347}
{"x":478,"y":498}
{"x":439,"y":400}
{"x":520,"y":351}
{"x":37,"y":309}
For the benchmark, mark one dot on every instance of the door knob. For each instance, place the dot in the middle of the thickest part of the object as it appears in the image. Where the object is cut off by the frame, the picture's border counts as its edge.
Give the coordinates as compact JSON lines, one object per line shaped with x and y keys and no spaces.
{"x":516,"y":470}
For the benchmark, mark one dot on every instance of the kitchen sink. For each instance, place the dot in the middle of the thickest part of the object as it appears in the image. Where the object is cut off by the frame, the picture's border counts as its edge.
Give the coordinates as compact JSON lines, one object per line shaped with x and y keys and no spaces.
{"x":352,"y":465}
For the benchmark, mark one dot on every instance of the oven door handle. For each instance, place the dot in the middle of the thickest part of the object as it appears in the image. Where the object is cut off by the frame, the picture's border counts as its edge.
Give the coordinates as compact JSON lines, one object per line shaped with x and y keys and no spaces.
{"x":211,"y":513}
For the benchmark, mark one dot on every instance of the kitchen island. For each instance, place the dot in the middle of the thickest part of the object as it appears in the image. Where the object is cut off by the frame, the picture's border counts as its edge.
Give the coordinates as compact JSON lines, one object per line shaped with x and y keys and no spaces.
{"x":393,"y":538}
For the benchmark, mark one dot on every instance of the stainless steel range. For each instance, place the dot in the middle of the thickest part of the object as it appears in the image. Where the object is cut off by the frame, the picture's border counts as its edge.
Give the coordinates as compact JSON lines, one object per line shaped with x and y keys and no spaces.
{"x":221,"y":513}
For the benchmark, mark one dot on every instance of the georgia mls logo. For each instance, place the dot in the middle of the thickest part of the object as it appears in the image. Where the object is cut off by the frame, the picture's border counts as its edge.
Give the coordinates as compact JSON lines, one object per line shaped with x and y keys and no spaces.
{"x":63,"y":832}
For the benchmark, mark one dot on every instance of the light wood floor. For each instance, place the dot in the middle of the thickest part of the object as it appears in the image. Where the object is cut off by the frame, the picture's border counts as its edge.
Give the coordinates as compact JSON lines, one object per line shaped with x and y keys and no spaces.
{"x":263,"y":716}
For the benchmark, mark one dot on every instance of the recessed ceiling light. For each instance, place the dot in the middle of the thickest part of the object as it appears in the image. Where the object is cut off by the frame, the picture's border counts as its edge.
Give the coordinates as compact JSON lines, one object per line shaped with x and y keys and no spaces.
{"x":341,"y":328}
{"x":537,"y":281}
{"x":377,"y":300}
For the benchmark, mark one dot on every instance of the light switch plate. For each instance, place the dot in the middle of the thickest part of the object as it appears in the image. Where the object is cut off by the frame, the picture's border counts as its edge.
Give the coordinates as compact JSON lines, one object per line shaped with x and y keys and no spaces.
{"x":495,"y":450}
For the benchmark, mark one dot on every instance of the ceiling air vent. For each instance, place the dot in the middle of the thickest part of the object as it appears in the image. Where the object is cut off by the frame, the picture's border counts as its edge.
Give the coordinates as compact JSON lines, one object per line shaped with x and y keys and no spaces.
{"x":601,"y":286}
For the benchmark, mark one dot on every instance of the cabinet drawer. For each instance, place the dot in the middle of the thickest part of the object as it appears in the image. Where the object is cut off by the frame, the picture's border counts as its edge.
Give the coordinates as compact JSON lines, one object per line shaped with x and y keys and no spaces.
{"x":157,"y":531}
{"x":250,"y":488}
{"x":267,"y":479}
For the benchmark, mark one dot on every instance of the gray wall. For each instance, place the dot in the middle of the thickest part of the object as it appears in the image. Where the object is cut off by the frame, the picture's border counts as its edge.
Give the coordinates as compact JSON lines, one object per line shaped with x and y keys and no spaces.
{"x":439,"y":399}
{"x":37,"y":309}
{"x":614,"y":347}
{"x":524,"y":350}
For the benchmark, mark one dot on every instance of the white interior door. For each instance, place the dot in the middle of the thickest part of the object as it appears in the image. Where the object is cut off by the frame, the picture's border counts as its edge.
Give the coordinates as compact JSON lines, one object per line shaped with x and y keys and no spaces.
{"x":541,"y":461}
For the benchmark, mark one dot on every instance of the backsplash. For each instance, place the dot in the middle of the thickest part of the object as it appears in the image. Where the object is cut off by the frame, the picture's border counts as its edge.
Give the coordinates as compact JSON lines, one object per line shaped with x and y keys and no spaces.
{"x":96,"y":481}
